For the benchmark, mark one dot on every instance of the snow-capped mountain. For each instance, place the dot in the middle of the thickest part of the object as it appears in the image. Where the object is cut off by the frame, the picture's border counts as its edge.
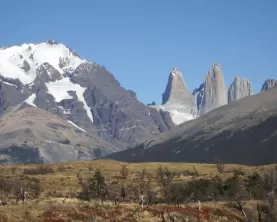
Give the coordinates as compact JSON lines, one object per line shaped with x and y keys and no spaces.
{"x":21,"y":61}
{"x":52,"y":77}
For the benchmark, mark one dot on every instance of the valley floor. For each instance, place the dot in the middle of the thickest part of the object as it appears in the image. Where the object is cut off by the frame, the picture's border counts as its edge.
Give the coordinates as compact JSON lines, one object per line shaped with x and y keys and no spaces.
{"x":68,"y":192}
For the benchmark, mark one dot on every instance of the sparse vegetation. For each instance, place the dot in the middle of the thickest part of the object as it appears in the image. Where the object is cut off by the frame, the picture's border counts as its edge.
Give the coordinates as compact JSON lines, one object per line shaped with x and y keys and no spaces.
{"x":124,"y":172}
{"x":109,"y":189}
{"x":39,"y":170}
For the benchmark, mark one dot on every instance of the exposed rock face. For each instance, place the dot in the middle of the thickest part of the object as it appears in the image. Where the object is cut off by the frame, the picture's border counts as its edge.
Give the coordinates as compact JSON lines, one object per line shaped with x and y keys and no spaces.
{"x":118,"y":116}
{"x":240,"y":88}
{"x":177,"y":99}
{"x":53,"y":77}
{"x":242,"y":132}
{"x":199,"y":96}
{"x":215,"y":92}
{"x":268,"y":84}
{"x":176,"y":89}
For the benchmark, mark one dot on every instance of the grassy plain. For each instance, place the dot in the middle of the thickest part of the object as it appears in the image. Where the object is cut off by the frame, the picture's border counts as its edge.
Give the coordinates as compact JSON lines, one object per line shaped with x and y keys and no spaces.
{"x":58,"y":201}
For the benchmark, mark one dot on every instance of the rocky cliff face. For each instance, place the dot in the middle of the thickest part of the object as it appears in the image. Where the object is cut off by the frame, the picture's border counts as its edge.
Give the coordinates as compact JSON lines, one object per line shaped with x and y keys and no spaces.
{"x":117,"y":114}
{"x":177,"y":99}
{"x":176,"y":89}
{"x":53,"y":77}
{"x":215,"y":92}
{"x":199,"y":96}
{"x":268,"y":84}
{"x":240,"y":88}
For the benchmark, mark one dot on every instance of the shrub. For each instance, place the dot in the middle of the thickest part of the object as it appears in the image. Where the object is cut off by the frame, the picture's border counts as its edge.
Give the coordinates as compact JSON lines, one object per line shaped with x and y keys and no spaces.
{"x":124,"y":172}
{"x":39,"y":170}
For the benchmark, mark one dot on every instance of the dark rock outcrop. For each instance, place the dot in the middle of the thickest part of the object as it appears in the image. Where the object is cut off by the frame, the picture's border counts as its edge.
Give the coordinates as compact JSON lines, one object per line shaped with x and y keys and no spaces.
{"x":199,"y":96}
{"x":118,"y":116}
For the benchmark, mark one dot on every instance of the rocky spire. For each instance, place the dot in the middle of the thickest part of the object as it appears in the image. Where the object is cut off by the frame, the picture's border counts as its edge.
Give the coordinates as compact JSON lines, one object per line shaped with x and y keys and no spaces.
{"x":177,"y":99}
{"x":215,"y":92}
{"x":239,"y":88}
{"x":268,"y":84}
{"x":176,"y":89}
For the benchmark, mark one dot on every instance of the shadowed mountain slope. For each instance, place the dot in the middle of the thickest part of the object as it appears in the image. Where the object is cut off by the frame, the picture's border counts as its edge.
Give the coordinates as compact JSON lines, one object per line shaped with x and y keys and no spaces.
{"x":244,"y":132}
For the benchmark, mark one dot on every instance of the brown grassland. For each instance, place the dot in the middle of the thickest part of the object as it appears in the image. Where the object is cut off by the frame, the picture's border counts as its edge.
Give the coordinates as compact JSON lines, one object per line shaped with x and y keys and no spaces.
{"x":58,"y":187}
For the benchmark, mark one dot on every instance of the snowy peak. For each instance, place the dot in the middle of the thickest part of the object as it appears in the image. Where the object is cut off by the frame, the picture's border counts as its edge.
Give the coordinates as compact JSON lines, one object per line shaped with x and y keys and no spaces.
{"x":176,"y":89}
{"x":239,"y":89}
{"x":21,"y":61}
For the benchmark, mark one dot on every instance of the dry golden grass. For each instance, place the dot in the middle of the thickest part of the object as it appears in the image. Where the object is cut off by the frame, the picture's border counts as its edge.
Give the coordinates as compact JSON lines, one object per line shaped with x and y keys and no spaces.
{"x":111,"y":169}
{"x":51,"y":208}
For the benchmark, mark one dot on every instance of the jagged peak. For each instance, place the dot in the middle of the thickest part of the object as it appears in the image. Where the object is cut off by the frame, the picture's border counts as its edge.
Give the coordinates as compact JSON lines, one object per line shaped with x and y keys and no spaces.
{"x":32,"y":55}
{"x":215,"y":71}
{"x":244,"y":79}
{"x":176,"y":88}
{"x":268,"y":84}
{"x":51,"y":42}
{"x":176,"y":72}
{"x":216,"y":66}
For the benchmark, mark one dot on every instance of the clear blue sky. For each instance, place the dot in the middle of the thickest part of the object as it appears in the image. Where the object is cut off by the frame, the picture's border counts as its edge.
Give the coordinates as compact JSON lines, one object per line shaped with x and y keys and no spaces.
{"x":140,"y":41}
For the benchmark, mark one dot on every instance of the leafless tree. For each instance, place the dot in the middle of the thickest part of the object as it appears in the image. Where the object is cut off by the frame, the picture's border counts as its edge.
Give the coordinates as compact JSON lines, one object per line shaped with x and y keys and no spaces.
{"x":143,"y":184}
{"x":124,"y":172}
{"x":220,"y":167}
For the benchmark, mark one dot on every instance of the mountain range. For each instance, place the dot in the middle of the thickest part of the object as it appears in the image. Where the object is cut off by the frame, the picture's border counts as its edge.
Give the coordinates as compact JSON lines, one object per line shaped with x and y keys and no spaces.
{"x":242,"y":132}
{"x":56,"y":106}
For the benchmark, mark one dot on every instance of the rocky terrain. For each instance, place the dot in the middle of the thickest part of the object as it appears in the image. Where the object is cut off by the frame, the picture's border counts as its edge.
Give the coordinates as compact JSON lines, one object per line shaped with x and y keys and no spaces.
{"x":211,"y":94}
{"x":52,"y":77}
{"x":177,"y":99}
{"x":33,"y":135}
{"x":239,"y":89}
{"x":243,"y":131}
{"x":268,"y":84}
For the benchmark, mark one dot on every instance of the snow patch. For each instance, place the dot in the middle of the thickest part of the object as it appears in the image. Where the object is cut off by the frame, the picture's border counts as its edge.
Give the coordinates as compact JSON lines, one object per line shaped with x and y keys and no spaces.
{"x":7,"y":83}
{"x":12,"y":58}
{"x":179,"y":117}
{"x":179,"y":113}
{"x":30,"y":100}
{"x":76,"y":126}
{"x":60,"y":88}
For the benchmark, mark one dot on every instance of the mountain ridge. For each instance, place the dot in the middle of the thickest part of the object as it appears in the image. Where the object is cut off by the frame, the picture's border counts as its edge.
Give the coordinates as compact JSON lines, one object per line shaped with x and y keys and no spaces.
{"x":53,"y":77}
{"x":242,"y":132}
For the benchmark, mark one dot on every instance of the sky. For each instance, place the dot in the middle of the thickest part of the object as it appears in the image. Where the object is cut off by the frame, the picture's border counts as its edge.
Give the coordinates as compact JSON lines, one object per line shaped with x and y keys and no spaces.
{"x":141,"y":41}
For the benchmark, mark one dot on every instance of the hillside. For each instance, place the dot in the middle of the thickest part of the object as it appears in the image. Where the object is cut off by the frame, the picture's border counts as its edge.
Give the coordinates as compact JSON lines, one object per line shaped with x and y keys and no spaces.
{"x":242,"y":132}
{"x":32,"y":135}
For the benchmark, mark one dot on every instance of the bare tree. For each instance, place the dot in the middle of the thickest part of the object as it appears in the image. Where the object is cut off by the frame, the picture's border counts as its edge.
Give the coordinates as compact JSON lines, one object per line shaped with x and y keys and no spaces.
{"x":143,"y":184}
{"x":124,"y":172}
{"x":220,"y":167}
